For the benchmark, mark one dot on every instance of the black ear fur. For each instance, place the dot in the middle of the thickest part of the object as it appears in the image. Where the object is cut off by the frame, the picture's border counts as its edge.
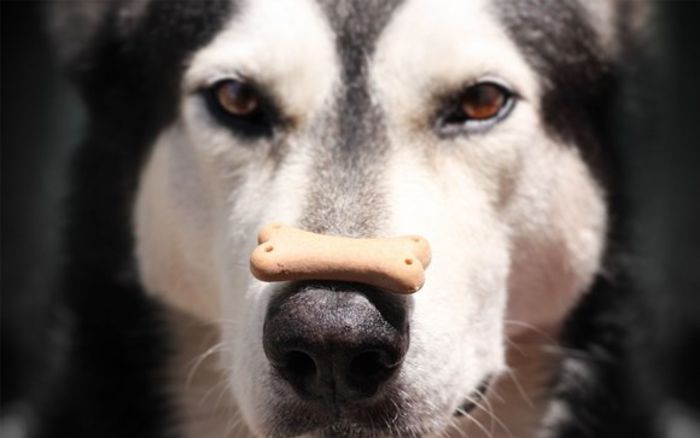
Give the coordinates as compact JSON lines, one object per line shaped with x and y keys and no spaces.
{"x":74,"y":26}
{"x":636,"y":334}
{"x":127,"y":58}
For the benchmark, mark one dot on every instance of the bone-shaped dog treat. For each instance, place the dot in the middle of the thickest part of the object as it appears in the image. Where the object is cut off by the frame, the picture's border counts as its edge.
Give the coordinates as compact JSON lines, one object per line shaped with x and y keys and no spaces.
{"x":396,"y":264}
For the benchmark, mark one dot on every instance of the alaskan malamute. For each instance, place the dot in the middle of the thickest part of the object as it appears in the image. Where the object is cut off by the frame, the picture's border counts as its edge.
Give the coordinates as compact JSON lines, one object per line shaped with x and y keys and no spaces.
{"x":478,"y":124}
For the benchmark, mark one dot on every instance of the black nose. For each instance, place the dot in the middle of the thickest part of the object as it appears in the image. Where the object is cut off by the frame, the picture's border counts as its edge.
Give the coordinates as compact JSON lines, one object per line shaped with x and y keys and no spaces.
{"x":336,"y":342}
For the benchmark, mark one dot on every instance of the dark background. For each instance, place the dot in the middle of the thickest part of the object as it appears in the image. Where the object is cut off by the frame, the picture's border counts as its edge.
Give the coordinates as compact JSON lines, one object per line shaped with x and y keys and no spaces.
{"x":41,"y":121}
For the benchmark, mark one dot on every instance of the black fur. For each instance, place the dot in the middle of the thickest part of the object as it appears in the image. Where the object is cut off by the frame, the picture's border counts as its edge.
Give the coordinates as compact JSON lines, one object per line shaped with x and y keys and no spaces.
{"x":606,"y":336}
{"x":649,"y":361}
{"x":578,"y":80}
{"x":112,"y":375}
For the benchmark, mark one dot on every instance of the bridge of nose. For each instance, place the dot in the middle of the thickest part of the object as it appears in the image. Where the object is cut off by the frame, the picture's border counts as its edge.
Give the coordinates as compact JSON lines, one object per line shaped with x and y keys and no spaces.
{"x":325,"y":306}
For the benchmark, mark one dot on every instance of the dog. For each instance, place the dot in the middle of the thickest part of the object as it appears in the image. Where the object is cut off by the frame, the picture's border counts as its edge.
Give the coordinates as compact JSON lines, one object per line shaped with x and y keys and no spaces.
{"x":478,"y":124}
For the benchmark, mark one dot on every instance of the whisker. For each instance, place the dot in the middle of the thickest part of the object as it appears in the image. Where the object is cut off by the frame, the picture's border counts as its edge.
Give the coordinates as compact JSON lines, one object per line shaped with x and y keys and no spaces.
{"x":219,"y":385}
{"x":233,"y":425}
{"x":199,"y":360}
{"x":475,"y":421}
{"x":454,"y":424}
{"x":516,"y":346}
{"x":488,"y":409}
{"x":532,"y":328}
{"x":229,"y":322}
{"x":520,"y":388}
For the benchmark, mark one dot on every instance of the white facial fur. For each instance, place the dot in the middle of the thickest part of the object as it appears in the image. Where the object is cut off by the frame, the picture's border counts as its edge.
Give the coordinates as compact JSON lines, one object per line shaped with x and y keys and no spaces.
{"x":514,"y":218}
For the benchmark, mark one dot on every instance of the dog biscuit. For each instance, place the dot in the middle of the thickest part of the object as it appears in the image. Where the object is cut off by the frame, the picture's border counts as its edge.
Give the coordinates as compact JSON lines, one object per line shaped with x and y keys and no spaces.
{"x":396,"y":264}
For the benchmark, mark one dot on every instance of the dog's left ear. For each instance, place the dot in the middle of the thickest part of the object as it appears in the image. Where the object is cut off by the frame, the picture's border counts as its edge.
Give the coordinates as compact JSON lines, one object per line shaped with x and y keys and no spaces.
{"x":621,"y":25}
{"x":77,"y":27}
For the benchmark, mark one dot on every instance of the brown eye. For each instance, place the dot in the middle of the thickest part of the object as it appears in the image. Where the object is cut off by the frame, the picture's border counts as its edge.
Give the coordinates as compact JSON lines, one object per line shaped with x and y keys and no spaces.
{"x":236,"y":98}
{"x":243,"y":108}
{"x":476,"y":109}
{"x":484,"y":101}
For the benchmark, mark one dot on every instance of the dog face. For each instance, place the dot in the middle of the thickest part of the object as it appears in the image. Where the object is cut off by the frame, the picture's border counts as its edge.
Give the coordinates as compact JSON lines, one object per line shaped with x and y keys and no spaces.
{"x":462,"y":121}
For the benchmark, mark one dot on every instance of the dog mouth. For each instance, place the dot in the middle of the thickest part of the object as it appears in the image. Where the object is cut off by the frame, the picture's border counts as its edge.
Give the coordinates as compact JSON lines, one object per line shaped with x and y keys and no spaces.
{"x":474,"y":399}
{"x":366,"y":421}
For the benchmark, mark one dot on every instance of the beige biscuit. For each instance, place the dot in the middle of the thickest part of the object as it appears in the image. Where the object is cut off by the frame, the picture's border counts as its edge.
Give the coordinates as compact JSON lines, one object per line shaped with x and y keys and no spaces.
{"x":396,"y":264}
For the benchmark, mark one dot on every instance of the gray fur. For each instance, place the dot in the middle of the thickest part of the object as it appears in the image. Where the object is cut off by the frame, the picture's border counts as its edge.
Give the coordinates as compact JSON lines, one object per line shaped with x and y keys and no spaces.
{"x":76,"y":23}
{"x":347,"y":198}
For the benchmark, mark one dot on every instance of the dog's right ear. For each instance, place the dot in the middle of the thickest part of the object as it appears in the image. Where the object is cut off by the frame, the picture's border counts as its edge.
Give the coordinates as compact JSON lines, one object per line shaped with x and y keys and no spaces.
{"x":79,"y":28}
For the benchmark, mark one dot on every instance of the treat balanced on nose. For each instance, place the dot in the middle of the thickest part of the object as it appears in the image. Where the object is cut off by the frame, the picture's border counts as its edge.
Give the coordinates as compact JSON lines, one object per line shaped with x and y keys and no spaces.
{"x":395,"y":264}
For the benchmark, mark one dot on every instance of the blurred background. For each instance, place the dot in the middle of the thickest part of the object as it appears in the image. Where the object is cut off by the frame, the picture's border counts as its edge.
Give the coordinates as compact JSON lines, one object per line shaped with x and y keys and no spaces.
{"x":658,"y":153}
{"x":41,"y":123}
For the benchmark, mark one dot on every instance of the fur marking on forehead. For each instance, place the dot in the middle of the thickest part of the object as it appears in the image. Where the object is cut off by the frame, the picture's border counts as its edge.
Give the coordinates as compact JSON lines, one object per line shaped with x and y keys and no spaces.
{"x":350,"y":151}
{"x":357,"y":26}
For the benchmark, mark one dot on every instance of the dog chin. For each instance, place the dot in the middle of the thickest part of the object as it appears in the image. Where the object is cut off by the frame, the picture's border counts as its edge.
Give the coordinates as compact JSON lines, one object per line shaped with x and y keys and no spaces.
{"x":388,"y":417}
{"x":351,"y":428}
{"x":348,"y":429}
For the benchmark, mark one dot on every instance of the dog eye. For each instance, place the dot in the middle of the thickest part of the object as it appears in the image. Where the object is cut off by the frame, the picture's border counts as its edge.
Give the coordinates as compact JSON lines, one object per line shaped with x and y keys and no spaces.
{"x":483,"y":101}
{"x":478,"y":107}
{"x":241,"y":107}
{"x":236,"y":98}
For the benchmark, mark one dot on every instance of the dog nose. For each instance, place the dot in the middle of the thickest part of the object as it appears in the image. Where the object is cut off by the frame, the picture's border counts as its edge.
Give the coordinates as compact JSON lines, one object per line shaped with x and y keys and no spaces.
{"x":336,"y":343}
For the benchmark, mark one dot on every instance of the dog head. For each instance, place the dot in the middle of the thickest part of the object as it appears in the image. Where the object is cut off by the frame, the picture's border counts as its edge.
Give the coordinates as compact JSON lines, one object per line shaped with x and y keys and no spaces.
{"x":471,"y":123}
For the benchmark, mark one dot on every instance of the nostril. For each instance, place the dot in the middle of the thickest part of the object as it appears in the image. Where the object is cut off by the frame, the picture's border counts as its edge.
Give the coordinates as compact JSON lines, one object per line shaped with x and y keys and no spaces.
{"x":299,"y":369}
{"x":300,"y":364}
{"x":368,"y":370}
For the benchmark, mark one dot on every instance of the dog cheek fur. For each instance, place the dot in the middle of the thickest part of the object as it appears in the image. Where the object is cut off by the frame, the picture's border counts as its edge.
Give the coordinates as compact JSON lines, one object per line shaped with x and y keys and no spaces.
{"x":557,"y":219}
{"x":456,"y":324}
{"x":197,"y":216}
{"x":173,"y":223}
